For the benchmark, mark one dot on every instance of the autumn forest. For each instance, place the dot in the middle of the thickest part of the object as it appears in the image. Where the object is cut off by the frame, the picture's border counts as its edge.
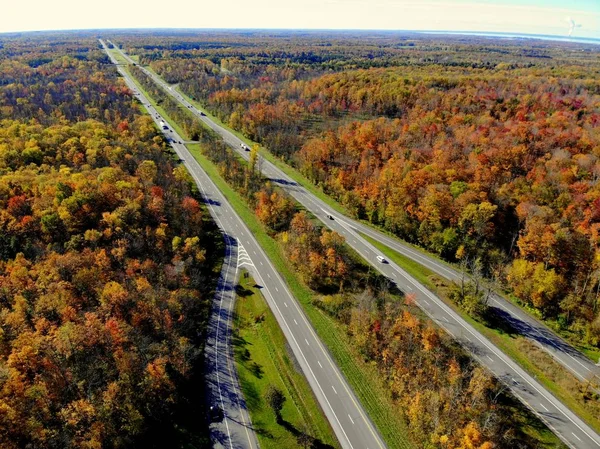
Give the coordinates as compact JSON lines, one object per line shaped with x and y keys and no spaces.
{"x":485,"y":153}
{"x":481,"y":152}
{"x":107,"y":259}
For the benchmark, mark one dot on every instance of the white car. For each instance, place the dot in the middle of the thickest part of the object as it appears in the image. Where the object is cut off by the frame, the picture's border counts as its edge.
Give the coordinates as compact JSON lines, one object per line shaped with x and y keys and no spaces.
{"x":381,"y":259}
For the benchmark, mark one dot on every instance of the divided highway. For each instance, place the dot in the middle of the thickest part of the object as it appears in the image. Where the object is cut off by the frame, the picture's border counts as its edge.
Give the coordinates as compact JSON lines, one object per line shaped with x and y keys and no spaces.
{"x":576,"y":362}
{"x":568,"y":426}
{"x":349,"y":421}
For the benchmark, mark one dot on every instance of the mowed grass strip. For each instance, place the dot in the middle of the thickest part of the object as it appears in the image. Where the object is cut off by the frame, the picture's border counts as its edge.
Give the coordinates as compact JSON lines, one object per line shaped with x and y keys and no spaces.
{"x":263,"y":360}
{"x":540,"y":365}
{"x":302,"y":412}
{"x":363,"y":377}
{"x":264,"y":152}
{"x":163,"y":113}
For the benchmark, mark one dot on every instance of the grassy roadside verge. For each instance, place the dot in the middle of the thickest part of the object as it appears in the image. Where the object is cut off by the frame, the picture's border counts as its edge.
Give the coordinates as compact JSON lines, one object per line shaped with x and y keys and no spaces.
{"x":552,"y":375}
{"x":118,"y":56}
{"x":362,"y":377}
{"x":266,"y":154}
{"x":337,"y":341}
{"x":301,"y":413}
{"x":263,"y":360}
{"x":359,"y":374}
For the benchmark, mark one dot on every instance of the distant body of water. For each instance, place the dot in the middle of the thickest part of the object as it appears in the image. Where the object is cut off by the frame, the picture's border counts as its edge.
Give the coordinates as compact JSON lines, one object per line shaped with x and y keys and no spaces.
{"x":579,"y":40}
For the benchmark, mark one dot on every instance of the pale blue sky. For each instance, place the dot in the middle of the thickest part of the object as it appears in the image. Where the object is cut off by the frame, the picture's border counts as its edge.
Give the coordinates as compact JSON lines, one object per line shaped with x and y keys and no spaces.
{"x":515,"y":16}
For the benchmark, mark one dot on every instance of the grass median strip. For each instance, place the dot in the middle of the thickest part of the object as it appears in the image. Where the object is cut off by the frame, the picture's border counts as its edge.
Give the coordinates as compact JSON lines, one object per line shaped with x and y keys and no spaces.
{"x":362,"y":377}
{"x":264,"y":364}
{"x":552,"y":375}
{"x":151,"y":100}
{"x":302,"y":421}
{"x":514,"y":346}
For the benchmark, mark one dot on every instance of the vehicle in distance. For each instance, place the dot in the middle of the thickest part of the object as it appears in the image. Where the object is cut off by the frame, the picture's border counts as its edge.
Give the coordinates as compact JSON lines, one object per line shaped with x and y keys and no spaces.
{"x":381,"y":259}
{"x":244,"y":147}
{"x":163,"y":125}
{"x":201,"y":113}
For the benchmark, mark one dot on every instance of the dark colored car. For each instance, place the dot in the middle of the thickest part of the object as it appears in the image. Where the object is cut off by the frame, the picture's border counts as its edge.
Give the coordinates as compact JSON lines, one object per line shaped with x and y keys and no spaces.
{"x":215,"y":413}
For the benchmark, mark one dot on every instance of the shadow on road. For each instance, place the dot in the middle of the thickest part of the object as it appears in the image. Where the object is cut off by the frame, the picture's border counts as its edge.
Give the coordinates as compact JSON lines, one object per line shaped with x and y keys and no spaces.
{"x":513,"y":325}
{"x":211,"y":202}
{"x":283,"y":182}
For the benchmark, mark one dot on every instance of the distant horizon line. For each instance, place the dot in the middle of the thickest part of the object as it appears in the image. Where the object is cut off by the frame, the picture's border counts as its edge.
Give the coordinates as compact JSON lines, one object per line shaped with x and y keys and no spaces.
{"x":506,"y":34}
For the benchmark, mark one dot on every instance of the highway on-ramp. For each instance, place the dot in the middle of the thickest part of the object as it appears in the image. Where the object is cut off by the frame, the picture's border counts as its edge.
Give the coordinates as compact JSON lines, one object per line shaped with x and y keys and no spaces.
{"x":349,"y":421}
{"x":568,"y":426}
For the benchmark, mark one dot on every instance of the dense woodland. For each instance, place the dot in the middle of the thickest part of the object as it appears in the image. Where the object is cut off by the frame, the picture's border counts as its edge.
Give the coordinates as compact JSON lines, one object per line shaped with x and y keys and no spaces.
{"x":107,"y":260}
{"x":482,"y":151}
{"x":445,"y":399}
{"x":478,"y":151}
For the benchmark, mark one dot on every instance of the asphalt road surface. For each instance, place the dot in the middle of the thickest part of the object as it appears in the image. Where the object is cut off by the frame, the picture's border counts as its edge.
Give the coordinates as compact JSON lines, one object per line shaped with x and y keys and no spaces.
{"x":569,"y":427}
{"x":576,"y":362}
{"x":349,"y":421}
